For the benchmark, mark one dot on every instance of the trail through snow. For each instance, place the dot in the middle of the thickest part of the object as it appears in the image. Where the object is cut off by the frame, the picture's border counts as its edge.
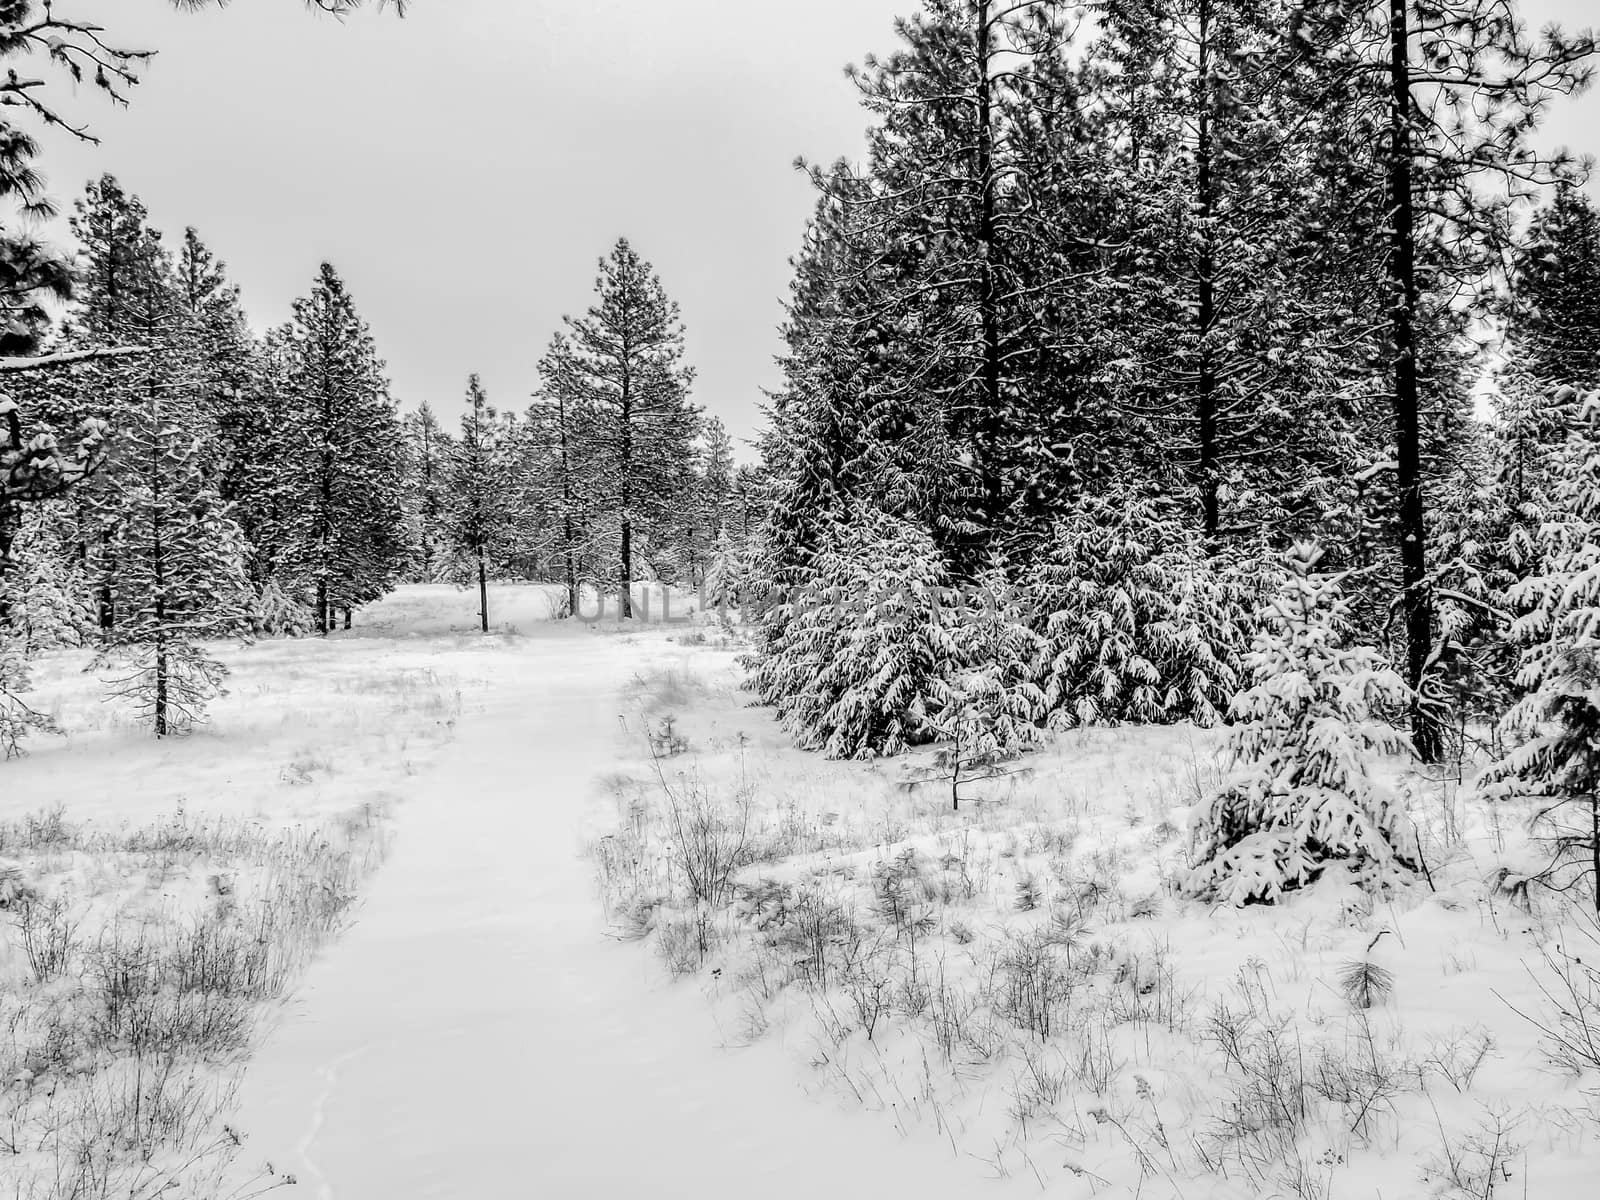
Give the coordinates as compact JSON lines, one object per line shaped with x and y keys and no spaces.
{"x":475,"y":1035}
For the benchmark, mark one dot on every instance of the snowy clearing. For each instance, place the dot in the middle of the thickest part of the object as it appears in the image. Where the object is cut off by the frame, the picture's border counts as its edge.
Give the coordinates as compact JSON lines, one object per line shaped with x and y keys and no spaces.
{"x":1014,"y":989}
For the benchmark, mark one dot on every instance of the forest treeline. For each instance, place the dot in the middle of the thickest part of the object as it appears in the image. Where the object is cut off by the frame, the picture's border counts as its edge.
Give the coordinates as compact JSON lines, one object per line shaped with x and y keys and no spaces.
{"x":181,"y":479}
{"x":1212,"y":360}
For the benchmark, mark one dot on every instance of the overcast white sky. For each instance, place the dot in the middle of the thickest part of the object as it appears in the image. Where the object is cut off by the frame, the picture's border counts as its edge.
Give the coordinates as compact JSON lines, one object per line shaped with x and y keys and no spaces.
{"x":465,"y":167}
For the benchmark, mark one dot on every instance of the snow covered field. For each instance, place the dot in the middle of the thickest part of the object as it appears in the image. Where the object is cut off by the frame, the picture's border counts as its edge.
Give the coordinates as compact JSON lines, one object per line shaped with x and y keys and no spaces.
{"x":1013,"y":990}
{"x":1018,"y":986}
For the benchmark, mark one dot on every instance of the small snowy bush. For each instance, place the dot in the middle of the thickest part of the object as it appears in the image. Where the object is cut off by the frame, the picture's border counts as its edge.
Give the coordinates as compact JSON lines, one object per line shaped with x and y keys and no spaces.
{"x":1140,"y":625}
{"x":999,"y":661}
{"x":1300,"y":793}
{"x":277,"y":613}
{"x":857,"y":661}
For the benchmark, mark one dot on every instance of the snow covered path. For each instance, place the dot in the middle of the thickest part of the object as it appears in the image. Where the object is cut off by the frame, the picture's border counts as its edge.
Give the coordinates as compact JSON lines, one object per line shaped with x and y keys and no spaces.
{"x":475,"y":1035}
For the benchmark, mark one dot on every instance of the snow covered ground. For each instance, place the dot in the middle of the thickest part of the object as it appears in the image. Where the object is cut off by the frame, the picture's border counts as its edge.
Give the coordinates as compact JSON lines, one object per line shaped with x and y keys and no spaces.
{"x":1013,"y":990}
{"x":1021,"y":983}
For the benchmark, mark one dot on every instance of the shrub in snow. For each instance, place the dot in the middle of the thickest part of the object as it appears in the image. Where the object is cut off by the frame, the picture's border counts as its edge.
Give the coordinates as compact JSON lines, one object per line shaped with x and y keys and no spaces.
{"x":729,"y":577}
{"x":999,"y":662}
{"x":277,"y":613}
{"x":1300,"y":794}
{"x":857,"y":661}
{"x":1557,"y":722}
{"x":1140,"y":626}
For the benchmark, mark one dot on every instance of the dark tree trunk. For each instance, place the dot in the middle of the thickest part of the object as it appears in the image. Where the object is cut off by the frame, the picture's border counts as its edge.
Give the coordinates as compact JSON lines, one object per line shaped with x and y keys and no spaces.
{"x":349,"y":617}
{"x":566,"y":513}
{"x":105,"y":597}
{"x":988,"y":299}
{"x":1207,"y":465}
{"x":10,"y":525}
{"x":483,"y":594}
{"x":429,"y":515}
{"x":158,"y":562}
{"x":1404,"y":306}
{"x":625,"y":601}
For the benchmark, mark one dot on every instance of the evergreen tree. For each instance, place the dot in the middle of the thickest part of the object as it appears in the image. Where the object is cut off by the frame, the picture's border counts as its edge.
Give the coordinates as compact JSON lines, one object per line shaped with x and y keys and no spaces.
{"x":180,"y":567}
{"x":1555,"y":727}
{"x":1554,"y":311}
{"x":705,"y":527}
{"x":43,"y":593}
{"x":1462,"y":90}
{"x":428,"y":452}
{"x":623,"y":364}
{"x":1238,"y":318}
{"x":224,"y":351}
{"x":1137,"y":624}
{"x":349,"y":546}
{"x":559,"y":425}
{"x":857,"y":663}
{"x":1301,"y":793}
{"x":946,"y":334}
{"x":481,"y":514}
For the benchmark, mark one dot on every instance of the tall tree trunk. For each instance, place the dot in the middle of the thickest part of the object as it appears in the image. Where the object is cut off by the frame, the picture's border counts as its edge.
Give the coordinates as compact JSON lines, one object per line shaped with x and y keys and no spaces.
{"x":1207,"y":464}
{"x":105,"y":597}
{"x":158,"y":561}
{"x":428,"y":514}
{"x":325,"y":496}
{"x":1405,"y":305}
{"x":566,"y":510}
{"x":625,"y":601}
{"x":988,"y":299}
{"x":349,"y":616}
{"x":483,"y":594}
{"x":1594,"y":845}
{"x":10,"y":526}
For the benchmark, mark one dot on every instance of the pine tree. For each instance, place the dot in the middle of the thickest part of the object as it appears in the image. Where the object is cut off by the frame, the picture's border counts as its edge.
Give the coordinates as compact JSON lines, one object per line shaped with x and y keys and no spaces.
{"x":623,"y":363}
{"x":35,"y":467}
{"x":1237,"y":313}
{"x":219,"y":339}
{"x":1462,"y":89}
{"x":1301,"y":793}
{"x":43,"y":593}
{"x":710,"y":506}
{"x":124,"y":294}
{"x":480,"y":518}
{"x":428,"y":451}
{"x":559,"y":426}
{"x":947,"y":318}
{"x":857,"y":663}
{"x":1555,"y":726}
{"x":1554,"y":318}
{"x":1137,"y":624}
{"x":180,"y":568}
{"x":349,"y":548}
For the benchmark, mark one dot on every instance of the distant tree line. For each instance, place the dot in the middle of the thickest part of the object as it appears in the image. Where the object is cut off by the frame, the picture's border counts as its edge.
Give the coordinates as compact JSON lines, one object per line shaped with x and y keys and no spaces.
{"x":205,"y":482}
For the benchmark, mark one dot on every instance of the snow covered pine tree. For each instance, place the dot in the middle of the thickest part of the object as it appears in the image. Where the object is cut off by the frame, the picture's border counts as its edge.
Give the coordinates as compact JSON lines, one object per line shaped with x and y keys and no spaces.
{"x":1301,"y":794}
{"x":1557,"y":722}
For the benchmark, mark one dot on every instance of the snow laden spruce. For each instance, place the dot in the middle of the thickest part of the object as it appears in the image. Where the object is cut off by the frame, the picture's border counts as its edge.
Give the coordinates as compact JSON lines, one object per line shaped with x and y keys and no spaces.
{"x":1555,"y":725}
{"x":1305,"y":735}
